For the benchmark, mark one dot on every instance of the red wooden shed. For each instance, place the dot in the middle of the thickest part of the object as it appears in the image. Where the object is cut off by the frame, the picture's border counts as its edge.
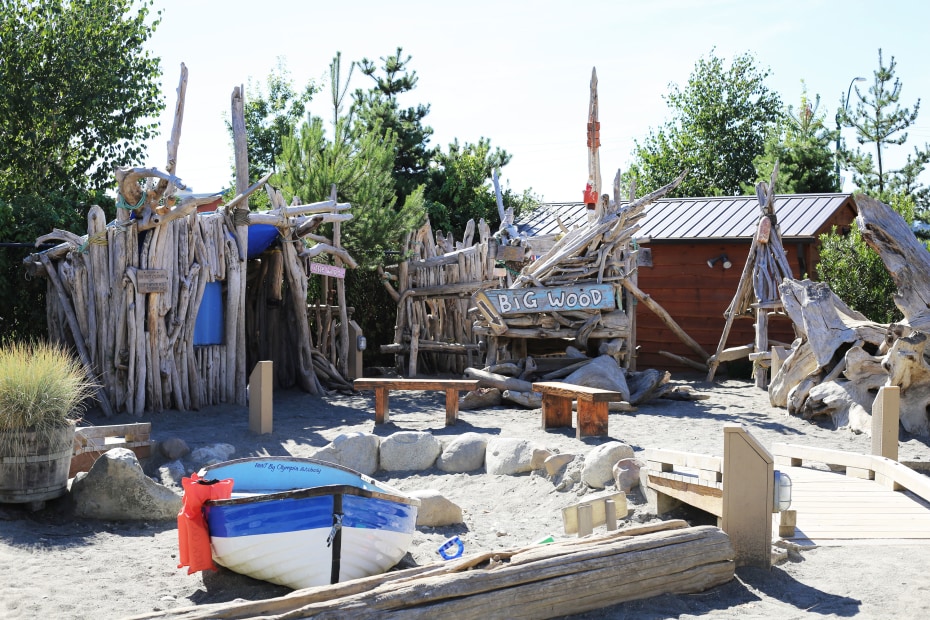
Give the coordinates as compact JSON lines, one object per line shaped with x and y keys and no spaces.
{"x":692,"y":254}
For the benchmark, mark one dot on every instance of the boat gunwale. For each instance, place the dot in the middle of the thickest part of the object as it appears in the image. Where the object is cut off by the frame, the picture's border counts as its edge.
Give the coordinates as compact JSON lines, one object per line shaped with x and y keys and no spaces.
{"x":385,"y":492}
{"x":319,"y":491}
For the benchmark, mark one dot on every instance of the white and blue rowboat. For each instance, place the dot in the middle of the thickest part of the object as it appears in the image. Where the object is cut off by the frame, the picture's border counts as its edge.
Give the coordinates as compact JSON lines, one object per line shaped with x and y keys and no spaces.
{"x":302,"y":522}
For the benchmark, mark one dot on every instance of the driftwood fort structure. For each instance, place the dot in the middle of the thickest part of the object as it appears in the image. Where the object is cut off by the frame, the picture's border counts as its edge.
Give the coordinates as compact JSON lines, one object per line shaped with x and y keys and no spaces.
{"x":529,"y":295}
{"x":169,"y":307}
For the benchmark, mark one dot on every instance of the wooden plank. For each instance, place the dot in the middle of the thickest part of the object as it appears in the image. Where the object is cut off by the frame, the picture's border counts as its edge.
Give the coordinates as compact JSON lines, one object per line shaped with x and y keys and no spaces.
{"x":599,"y":510}
{"x":685,"y":459}
{"x":579,"y":392}
{"x":415,"y":384}
{"x":700,"y":496}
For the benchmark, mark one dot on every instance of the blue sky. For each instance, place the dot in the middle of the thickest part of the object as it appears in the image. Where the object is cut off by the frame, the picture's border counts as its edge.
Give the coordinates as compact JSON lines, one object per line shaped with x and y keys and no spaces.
{"x":517,"y":72}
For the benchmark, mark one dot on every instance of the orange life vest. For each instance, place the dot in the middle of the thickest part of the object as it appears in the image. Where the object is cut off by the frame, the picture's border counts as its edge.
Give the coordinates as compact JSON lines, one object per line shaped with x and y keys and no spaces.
{"x":193,"y":535}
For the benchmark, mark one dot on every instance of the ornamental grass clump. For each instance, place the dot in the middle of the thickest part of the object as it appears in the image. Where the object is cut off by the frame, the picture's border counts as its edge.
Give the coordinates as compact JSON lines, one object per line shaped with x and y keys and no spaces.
{"x":42,"y":388}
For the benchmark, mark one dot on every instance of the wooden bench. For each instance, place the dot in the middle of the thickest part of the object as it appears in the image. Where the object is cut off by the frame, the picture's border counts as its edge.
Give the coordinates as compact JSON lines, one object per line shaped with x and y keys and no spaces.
{"x":382,"y":386}
{"x":557,"y":400}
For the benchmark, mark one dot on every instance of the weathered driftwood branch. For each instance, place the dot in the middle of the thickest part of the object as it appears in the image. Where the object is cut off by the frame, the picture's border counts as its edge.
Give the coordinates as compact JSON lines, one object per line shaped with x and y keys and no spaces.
{"x":666,"y":318}
{"x":904,"y":256}
{"x":175,"y":139}
{"x":501,"y":382}
{"x":542,"y":581}
{"x":79,"y":341}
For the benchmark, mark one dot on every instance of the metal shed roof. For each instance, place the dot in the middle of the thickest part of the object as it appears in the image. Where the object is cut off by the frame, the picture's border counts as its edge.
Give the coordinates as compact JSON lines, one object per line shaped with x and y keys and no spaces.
{"x":720,"y":217}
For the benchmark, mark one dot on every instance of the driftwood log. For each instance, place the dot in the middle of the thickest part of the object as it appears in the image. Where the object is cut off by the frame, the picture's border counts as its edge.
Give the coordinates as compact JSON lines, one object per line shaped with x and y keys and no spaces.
{"x":841,"y":359}
{"x":542,"y":581}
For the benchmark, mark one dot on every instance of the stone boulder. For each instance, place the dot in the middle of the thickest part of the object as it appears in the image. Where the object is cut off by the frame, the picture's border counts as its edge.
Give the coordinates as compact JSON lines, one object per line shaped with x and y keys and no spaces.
{"x":212,"y":454}
{"x":556,"y":462}
{"x":508,"y":456}
{"x":626,"y":474}
{"x":409,"y":451}
{"x":116,"y":489}
{"x":436,"y":510}
{"x":463,"y":453}
{"x":358,"y":451}
{"x":174,"y":448}
{"x":603,"y":373}
{"x":599,"y":463}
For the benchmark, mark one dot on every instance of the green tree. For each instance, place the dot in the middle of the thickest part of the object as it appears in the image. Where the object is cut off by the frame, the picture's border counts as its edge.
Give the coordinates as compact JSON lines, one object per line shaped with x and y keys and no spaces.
{"x":378,"y":110}
{"x":271,"y":114}
{"x":77,"y":92}
{"x":359,"y":162}
{"x":880,"y":120}
{"x":460,"y":187}
{"x":800,"y":143}
{"x":856,"y":273}
{"x":718,"y":128}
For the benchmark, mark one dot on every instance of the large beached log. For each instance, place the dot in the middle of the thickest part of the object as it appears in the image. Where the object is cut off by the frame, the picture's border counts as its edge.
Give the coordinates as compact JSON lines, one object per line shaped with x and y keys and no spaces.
{"x":904,"y":256}
{"x":825,"y":321}
{"x":542,"y":581}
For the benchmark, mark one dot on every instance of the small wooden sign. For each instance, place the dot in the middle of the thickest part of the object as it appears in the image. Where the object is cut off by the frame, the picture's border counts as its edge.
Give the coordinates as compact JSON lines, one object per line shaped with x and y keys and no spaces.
{"x":327,"y":270}
{"x":510,"y":253}
{"x":555,"y":299}
{"x":152,"y":280}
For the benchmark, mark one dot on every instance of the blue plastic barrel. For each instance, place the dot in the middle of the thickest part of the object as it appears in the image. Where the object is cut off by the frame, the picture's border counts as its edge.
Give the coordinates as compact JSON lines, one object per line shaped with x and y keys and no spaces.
{"x":210,"y":326}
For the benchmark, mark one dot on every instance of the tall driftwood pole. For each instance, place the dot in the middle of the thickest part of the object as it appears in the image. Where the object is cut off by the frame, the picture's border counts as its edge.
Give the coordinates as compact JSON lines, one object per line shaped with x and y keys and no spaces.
{"x":235,"y":304}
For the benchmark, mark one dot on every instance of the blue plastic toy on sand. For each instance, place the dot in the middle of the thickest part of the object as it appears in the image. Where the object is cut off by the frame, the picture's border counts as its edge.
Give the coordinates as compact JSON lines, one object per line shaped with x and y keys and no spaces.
{"x":451,"y":549}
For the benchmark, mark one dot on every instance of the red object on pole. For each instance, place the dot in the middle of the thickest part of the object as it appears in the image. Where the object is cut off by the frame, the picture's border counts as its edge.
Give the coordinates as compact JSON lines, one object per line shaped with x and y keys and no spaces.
{"x":590,"y":195}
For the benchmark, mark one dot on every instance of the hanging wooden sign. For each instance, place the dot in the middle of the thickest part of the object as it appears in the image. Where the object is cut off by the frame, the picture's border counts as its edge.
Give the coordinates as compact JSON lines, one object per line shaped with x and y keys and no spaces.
{"x":554,"y":299}
{"x":152,"y":281}
{"x":327,"y":270}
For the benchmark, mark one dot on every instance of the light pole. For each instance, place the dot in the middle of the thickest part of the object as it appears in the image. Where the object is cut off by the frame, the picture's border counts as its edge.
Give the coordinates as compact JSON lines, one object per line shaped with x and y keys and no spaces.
{"x":838,"y":116}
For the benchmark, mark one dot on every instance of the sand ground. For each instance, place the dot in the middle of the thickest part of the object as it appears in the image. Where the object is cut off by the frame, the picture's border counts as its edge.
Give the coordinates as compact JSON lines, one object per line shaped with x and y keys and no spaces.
{"x":55,"y":566}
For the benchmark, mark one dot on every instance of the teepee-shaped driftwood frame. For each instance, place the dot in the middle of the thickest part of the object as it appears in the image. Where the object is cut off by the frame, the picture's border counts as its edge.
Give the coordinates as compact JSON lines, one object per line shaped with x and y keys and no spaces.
{"x":757,"y":293}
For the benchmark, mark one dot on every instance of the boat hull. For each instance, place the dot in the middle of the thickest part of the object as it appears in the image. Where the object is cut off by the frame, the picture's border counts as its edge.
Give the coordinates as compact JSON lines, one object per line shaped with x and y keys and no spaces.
{"x":345,"y":526}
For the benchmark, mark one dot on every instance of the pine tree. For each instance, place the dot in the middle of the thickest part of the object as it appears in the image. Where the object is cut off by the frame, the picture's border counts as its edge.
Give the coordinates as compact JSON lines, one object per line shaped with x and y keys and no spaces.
{"x":800,"y":144}
{"x":378,"y":110}
{"x":359,"y":161}
{"x":880,"y":120}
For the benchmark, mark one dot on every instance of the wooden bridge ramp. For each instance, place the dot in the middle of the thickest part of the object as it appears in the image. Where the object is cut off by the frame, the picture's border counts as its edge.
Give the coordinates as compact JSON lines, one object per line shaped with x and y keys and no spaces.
{"x":858,"y":506}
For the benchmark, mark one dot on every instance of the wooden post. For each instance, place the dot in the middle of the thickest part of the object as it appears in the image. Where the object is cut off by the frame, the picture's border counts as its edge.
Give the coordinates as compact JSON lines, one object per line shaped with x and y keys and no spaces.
{"x":261,"y":388}
{"x":886,"y":411}
{"x":762,"y":345}
{"x":610,"y":512}
{"x":382,"y":415}
{"x":585,"y":520}
{"x":779,"y":355}
{"x":748,"y":496}
{"x":452,"y":406}
{"x":235,"y":298}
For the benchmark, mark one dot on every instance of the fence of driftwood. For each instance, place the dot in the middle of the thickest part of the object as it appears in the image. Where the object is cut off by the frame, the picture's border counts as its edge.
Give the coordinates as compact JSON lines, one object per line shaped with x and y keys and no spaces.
{"x":433,"y":289}
{"x":128,"y":293}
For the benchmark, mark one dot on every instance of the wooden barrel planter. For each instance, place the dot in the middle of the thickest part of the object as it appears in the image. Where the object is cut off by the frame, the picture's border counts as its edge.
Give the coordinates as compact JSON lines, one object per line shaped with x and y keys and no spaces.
{"x":36,"y":468}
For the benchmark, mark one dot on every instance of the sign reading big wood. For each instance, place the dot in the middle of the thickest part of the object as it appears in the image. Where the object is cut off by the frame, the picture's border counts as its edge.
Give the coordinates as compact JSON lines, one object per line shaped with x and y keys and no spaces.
{"x":554,"y":299}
